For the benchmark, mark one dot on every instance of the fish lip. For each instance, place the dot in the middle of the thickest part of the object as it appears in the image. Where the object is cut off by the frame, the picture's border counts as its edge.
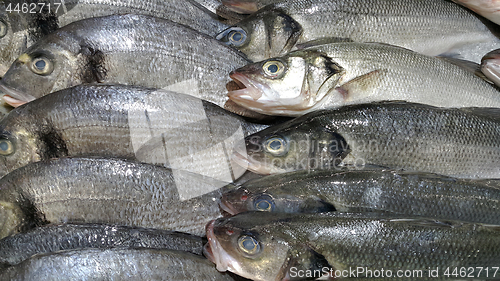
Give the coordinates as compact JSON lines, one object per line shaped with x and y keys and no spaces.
{"x":247,"y":88}
{"x":227,"y":207}
{"x":214,"y":250}
{"x":15,"y":95}
{"x":240,"y":159}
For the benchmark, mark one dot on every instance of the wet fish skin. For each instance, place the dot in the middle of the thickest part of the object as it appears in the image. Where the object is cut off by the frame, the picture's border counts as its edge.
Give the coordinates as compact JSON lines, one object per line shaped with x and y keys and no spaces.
{"x":408,"y":193}
{"x":105,"y":191}
{"x":428,"y":27}
{"x":53,"y":238}
{"x":394,"y":135}
{"x":24,"y":29}
{"x":145,"y":51}
{"x":121,"y":264}
{"x":109,"y":121}
{"x":342,"y":240}
{"x":333,"y":75}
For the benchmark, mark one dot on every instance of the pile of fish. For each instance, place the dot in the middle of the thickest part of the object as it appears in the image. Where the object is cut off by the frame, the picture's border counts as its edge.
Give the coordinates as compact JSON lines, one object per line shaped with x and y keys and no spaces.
{"x":249,"y":139}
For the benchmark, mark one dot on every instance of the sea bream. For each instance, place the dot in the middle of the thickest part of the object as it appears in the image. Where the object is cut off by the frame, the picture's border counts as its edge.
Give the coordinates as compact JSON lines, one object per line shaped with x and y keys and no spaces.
{"x":463,"y":143}
{"x":123,"y":49}
{"x":427,"y":26}
{"x":270,"y":246}
{"x":333,"y":75}
{"x":19,"y":30}
{"x":106,"y":191}
{"x":398,"y":192}
{"x":144,"y":124}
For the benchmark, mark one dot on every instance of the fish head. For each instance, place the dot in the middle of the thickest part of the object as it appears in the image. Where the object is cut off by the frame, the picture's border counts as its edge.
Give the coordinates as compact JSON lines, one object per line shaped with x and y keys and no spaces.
{"x":50,"y":65}
{"x":266,"y":34}
{"x":10,"y":41}
{"x":299,"y":144}
{"x":244,"y":252}
{"x":19,"y":142}
{"x":277,"y":199}
{"x":287,"y":85}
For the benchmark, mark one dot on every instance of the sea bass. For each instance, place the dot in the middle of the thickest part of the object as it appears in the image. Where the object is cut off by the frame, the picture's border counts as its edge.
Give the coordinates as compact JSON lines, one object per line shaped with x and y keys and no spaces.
{"x":408,"y":193}
{"x":463,"y":143}
{"x":107,"y":191}
{"x":426,"y":26}
{"x":54,"y":238}
{"x":123,"y":49}
{"x":334,"y":75}
{"x":115,"y":264}
{"x":149,"y":125}
{"x":270,"y":246}
{"x":19,"y":30}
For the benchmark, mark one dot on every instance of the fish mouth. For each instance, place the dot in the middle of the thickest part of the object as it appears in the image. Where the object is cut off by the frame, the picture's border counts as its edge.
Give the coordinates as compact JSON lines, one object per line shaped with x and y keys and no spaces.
{"x":245,"y":89}
{"x":215,"y":253}
{"x":13,"y":97}
{"x":250,"y":164}
{"x":227,"y":206}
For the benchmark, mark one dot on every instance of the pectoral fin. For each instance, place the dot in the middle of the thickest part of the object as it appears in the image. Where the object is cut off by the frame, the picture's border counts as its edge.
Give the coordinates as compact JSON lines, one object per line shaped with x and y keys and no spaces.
{"x":361,"y":87}
{"x":307,"y":261}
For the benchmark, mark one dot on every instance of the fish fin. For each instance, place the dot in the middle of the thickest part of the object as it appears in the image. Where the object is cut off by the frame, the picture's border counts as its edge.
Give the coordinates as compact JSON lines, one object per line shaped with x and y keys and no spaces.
{"x":282,"y":28}
{"x":322,"y":41}
{"x":470,"y":66}
{"x":95,"y":67}
{"x":361,"y":86}
{"x":492,"y":113}
{"x":304,"y":258}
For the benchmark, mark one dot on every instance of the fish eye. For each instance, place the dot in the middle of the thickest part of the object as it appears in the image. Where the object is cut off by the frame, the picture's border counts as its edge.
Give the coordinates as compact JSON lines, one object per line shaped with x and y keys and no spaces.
{"x":264,"y":203}
{"x":273,"y":68}
{"x":233,"y":36}
{"x":3,"y":29}
{"x":249,"y":245}
{"x":42,"y":66}
{"x":6,"y":147}
{"x":276,"y":146}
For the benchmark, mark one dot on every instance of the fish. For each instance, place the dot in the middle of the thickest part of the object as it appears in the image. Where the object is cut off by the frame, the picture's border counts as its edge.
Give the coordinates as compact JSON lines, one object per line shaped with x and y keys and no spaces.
{"x":144,"y":51}
{"x":461,"y":143}
{"x":115,"y":264}
{"x":106,"y":191}
{"x":429,"y":27}
{"x":19,"y":31}
{"x":486,"y":8}
{"x":490,"y":66}
{"x":333,"y":75}
{"x":408,"y":193}
{"x":142,"y":124}
{"x":272,"y":246}
{"x":247,"y":6}
{"x":63,"y":237}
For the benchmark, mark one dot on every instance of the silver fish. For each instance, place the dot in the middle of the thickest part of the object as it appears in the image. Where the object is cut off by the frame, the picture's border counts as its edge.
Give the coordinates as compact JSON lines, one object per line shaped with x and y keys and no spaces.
{"x":123,"y":49}
{"x":463,"y":143}
{"x":54,"y":238}
{"x":270,"y":246}
{"x":426,"y":26}
{"x":115,"y":264}
{"x":18,"y":30}
{"x":333,"y":75}
{"x":93,"y":190}
{"x":148,"y":125}
{"x":408,"y":193}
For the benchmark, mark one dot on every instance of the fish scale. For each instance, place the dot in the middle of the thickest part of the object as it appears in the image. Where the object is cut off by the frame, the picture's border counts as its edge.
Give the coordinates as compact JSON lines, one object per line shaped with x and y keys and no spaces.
{"x":426,"y":26}
{"x":399,"y":135}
